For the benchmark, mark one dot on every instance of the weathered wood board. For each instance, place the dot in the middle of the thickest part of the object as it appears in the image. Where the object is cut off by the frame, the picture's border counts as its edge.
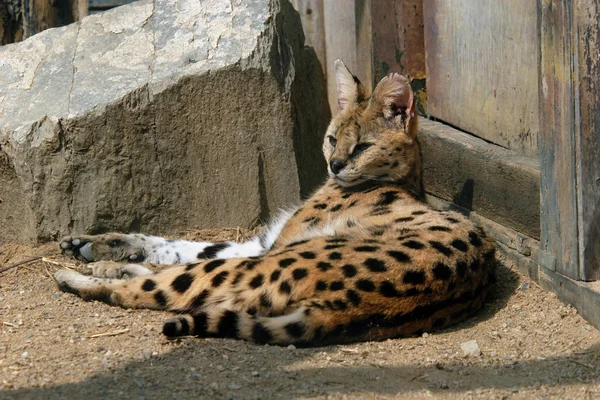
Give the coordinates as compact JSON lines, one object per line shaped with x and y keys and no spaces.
{"x":588,"y":154}
{"x":557,"y":140}
{"x":497,"y":183}
{"x":398,"y":43}
{"x":311,"y":15}
{"x":569,"y":143}
{"x":482,"y":68}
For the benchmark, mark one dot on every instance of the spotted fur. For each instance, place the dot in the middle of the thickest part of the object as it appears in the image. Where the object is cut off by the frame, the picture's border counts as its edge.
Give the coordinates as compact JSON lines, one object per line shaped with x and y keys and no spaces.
{"x":362,"y":259}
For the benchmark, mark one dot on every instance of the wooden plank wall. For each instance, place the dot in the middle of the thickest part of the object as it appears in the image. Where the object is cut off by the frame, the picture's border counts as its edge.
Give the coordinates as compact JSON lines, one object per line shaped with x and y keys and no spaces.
{"x":372,"y":37}
{"x":482,"y":69}
{"x":570,"y":141}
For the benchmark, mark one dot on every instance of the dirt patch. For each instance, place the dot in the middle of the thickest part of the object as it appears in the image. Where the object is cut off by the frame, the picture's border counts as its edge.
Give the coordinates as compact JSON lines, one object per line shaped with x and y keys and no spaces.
{"x":54,"y":345}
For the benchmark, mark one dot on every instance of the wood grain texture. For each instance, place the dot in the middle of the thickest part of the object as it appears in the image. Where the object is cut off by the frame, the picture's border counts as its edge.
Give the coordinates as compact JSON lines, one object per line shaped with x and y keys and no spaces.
{"x":557,"y":146}
{"x":399,"y":44}
{"x":482,"y":68}
{"x":498,"y":184}
{"x":340,"y":42}
{"x":588,"y":141}
{"x":313,"y":24}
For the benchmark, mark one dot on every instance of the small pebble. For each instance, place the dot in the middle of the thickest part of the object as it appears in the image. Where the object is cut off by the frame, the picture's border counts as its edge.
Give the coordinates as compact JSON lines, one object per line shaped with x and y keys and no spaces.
{"x":470,"y":348}
{"x":291,"y":347}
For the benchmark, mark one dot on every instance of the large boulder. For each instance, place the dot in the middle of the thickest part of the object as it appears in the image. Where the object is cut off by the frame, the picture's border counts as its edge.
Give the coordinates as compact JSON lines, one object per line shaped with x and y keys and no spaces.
{"x":157,"y":117}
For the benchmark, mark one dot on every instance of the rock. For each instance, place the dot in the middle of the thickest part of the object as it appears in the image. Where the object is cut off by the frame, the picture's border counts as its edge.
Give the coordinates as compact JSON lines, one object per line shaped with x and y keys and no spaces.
{"x":470,"y":348}
{"x":157,"y":117}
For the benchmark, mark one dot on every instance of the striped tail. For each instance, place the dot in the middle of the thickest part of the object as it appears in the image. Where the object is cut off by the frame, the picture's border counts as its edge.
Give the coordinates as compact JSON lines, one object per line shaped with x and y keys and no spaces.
{"x":296,"y":327}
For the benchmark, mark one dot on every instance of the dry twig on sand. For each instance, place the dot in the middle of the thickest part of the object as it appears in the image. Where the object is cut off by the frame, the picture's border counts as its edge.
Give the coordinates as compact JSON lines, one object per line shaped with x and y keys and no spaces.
{"x":23,"y":262}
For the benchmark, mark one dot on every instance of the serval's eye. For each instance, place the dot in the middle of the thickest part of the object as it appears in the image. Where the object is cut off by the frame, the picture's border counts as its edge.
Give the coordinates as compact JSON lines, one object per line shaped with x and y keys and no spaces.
{"x":359,"y":148}
{"x":332,"y":141}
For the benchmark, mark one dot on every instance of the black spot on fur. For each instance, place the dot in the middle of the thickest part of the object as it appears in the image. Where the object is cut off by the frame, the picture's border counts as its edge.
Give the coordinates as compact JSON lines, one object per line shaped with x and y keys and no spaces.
{"x":474,"y":239}
{"x":238,"y":277}
{"x":346,"y":195}
{"x":191,"y":266}
{"x":419,"y":212}
{"x":199,"y":300}
{"x":461,"y":268}
{"x":265,"y":300}
{"x":312,"y":220}
{"x":248,"y":264}
{"x":489,"y":255}
{"x":336,"y":240}
{"x":336,"y":285}
{"x":299,"y":242}
{"x":475,"y":265}
{"x":404,"y":219}
{"x":366,"y":249}
{"x":211,"y":251}
{"x":182,"y":283}
{"x":355,"y":202}
{"x":320,"y":206}
{"x":170,"y":328}
{"x":349,"y":270}
{"x":260,"y":334}
{"x":218,"y":279}
{"x":200,"y":324}
{"x":299,"y":273}
{"x":275,"y":275}
{"x":445,"y":250}
{"x":375,"y":265}
{"x":388,"y":289}
{"x":295,"y":329}
{"x":399,"y":256}
{"x":251,"y":311}
{"x":257,"y":281}
{"x":212,"y":265}
{"x":340,"y":305}
{"x":387,"y":198}
{"x":148,"y":285}
{"x":160,"y":298}
{"x":335,"y":208}
{"x":324,"y":266}
{"x":286,"y":262}
{"x":459,"y":245}
{"x":285,"y":287}
{"x":335,"y":256}
{"x":442,"y":272}
{"x":365,"y":285}
{"x":353,"y":297}
{"x":321,"y":285}
{"x":413,"y":244}
{"x":414,"y":277}
{"x":309,"y":255}
{"x":452,"y":220}
{"x":439,"y":228}
{"x":332,"y":246}
{"x":228,"y":325}
{"x":380,"y":211}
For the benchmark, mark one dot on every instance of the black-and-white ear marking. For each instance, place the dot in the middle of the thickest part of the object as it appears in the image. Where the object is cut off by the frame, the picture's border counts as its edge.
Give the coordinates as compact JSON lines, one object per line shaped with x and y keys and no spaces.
{"x":395,"y":96}
{"x":347,"y":85}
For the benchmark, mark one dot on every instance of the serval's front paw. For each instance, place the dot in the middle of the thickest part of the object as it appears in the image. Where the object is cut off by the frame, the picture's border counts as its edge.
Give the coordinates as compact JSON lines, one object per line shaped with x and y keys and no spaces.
{"x":115,"y":270}
{"x":109,"y":247}
{"x":79,"y":247}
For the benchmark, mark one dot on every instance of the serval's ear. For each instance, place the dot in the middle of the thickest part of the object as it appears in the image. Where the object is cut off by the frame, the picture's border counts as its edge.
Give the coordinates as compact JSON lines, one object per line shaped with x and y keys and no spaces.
{"x":395,"y":98}
{"x":349,"y":89}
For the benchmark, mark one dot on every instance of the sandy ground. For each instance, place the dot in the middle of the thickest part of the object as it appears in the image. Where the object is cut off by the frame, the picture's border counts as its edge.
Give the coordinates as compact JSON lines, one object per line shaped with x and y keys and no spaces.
{"x":52,"y":345}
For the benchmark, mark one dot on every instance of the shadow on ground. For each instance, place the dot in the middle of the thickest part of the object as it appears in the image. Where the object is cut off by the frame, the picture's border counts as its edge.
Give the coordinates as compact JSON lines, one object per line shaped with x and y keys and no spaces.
{"x":215,"y":368}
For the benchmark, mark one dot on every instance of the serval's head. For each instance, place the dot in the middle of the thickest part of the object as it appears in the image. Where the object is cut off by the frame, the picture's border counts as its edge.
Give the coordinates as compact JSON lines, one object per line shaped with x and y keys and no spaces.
{"x":373,"y":137}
